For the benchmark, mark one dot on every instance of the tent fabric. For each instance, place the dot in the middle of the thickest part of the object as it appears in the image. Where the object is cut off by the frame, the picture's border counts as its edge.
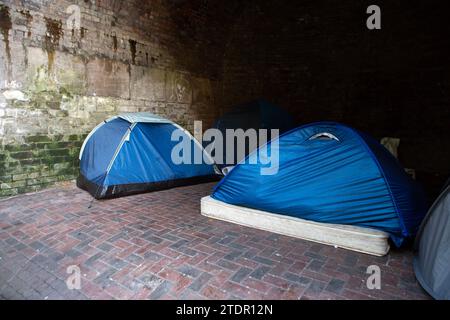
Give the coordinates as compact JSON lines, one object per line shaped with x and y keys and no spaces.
{"x":432,"y":249}
{"x":257,"y":114}
{"x":143,"y":117}
{"x":125,"y":157}
{"x":331,"y":173}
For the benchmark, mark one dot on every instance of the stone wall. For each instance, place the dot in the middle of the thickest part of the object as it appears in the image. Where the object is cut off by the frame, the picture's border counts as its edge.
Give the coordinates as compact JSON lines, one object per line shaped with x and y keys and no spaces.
{"x":59,"y":79}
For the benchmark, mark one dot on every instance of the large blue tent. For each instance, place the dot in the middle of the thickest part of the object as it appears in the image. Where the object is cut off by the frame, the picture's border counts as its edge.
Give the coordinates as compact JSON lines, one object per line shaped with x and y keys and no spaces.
{"x":331,"y":173}
{"x":132,"y":153}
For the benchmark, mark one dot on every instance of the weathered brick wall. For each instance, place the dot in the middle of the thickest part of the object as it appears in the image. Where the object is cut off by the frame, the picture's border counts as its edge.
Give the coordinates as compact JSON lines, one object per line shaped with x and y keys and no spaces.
{"x":318,"y":59}
{"x":57,"y":82}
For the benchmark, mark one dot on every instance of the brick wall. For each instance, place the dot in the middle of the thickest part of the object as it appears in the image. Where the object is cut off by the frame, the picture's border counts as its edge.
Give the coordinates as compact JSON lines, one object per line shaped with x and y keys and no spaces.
{"x":57,"y":82}
{"x":318,"y":60}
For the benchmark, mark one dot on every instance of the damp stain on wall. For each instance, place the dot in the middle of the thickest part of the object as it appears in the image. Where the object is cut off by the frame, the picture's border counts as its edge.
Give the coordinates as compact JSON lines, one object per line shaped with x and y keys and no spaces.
{"x":133,"y":50}
{"x":51,"y":41}
{"x":81,"y":30}
{"x":114,"y":37}
{"x":5,"y":26}
{"x":29,"y":19}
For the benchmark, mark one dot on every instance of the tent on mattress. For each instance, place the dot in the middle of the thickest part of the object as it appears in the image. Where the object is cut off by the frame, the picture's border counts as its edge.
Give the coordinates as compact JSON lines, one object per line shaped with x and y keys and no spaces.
{"x":329,"y":173}
{"x":132,"y":153}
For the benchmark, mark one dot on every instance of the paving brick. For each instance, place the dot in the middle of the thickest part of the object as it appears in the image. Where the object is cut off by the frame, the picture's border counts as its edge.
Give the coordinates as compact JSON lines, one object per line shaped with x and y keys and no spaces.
{"x":236,"y":290}
{"x":134,"y":258}
{"x":178,"y":244}
{"x":247,"y":263}
{"x":315,"y":288}
{"x":179,"y":287}
{"x":119,"y":292}
{"x":227,"y":265}
{"x":189,"y":270}
{"x":151,"y":256}
{"x":315,"y":256}
{"x":220,"y":277}
{"x":105,"y":247}
{"x":320,"y":276}
{"x":350,"y":260}
{"x":73,"y":253}
{"x":277,"y":281}
{"x":297,"y":278}
{"x":154,"y":239}
{"x":12,"y":241}
{"x":241,"y":274}
{"x":92,"y":259}
{"x":294,"y":292}
{"x":275,"y":293}
{"x":104,"y":279}
{"x":188,"y":251}
{"x":257,"y":285}
{"x":226,"y":240}
{"x":213,"y":293}
{"x":264,"y":261}
{"x":200,"y":281}
{"x":259,"y":272}
{"x":161,"y":290}
{"x":36,"y":245}
{"x":83,"y":244}
{"x":233,"y":255}
{"x":117,"y":263}
{"x":315,"y":265}
{"x":335,"y":286}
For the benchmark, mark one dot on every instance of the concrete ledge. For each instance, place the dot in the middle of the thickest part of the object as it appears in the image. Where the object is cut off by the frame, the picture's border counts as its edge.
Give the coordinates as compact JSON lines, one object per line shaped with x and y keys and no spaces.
{"x":354,"y":238}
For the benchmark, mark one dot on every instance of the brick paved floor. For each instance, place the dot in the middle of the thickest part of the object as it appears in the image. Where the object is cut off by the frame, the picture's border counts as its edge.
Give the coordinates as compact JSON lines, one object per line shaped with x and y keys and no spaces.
{"x":158,"y":246}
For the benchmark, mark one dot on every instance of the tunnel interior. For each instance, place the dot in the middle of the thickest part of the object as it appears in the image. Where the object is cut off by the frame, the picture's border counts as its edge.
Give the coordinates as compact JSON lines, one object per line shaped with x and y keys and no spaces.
{"x":65,"y":66}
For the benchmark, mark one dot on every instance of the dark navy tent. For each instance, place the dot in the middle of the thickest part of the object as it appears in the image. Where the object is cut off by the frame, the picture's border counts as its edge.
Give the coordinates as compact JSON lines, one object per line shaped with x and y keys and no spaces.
{"x":131,"y":153}
{"x":330,"y":173}
{"x":432,"y":247}
{"x":257,"y":114}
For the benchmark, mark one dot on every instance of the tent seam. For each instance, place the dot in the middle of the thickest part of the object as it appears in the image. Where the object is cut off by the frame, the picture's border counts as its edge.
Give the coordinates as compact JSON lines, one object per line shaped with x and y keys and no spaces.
{"x":195,"y":141}
{"x":394,"y":201}
{"x":119,"y":147}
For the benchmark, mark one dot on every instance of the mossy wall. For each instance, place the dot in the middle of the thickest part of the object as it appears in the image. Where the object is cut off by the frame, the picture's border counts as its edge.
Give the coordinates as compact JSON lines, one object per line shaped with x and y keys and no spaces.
{"x":59,"y":80}
{"x":38,"y":163}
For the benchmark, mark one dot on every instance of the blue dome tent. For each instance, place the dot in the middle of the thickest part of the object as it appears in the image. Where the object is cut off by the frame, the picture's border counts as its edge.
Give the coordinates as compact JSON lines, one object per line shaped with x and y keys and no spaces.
{"x":131,"y":153}
{"x":329,"y":173}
